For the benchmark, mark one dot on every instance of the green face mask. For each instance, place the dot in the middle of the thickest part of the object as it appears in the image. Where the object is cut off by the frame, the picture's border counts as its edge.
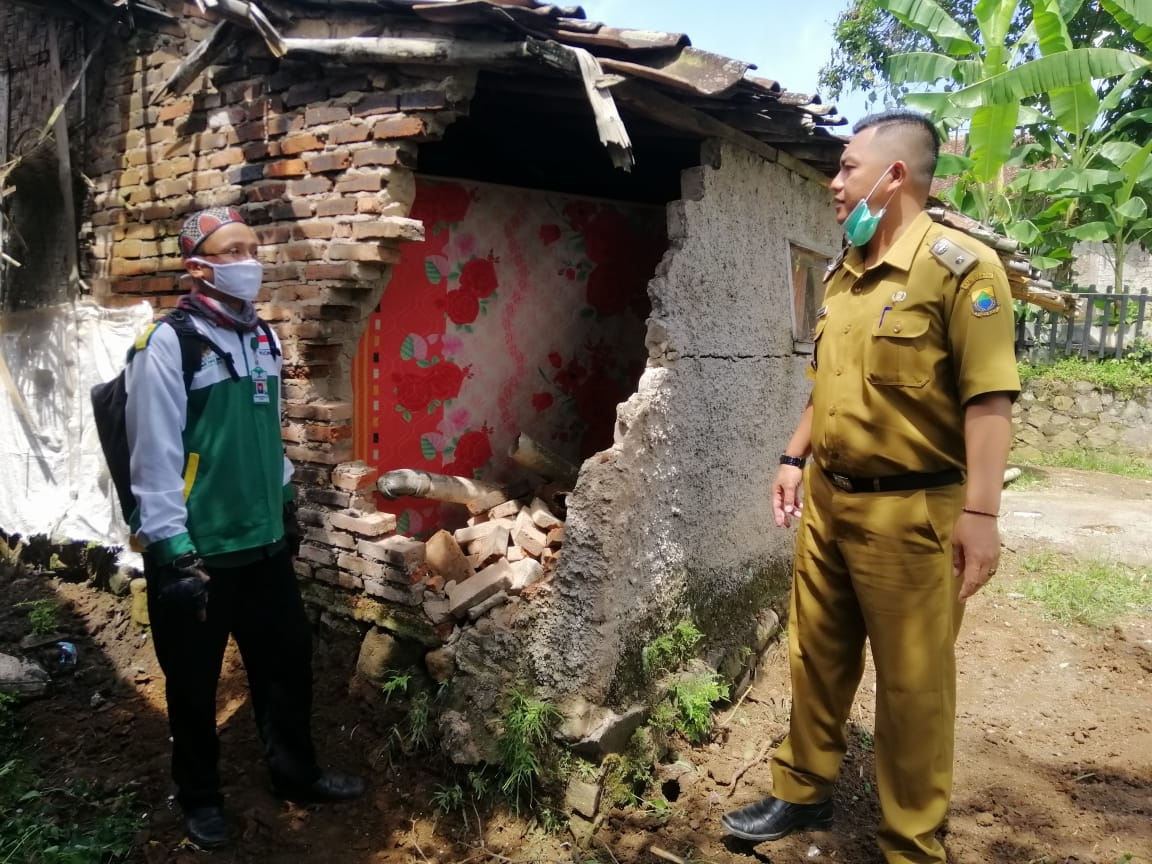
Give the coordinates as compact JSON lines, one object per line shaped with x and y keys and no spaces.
{"x":861,"y":224}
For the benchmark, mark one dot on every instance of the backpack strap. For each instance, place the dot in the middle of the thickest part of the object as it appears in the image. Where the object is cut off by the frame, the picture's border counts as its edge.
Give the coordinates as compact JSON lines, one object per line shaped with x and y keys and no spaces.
{"x":191,"y":346}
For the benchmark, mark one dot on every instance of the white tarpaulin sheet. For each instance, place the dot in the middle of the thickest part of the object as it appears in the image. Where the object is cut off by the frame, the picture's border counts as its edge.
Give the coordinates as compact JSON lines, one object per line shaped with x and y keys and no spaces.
{"x":53,"y":479}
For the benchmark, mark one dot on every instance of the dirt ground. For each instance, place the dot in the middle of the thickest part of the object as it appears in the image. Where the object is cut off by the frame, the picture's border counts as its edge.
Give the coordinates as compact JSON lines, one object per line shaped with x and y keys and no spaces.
{"x":1054,"y":737}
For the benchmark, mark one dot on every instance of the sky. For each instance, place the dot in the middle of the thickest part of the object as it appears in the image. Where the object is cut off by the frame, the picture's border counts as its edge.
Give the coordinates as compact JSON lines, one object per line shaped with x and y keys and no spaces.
{"x":787,"y":40}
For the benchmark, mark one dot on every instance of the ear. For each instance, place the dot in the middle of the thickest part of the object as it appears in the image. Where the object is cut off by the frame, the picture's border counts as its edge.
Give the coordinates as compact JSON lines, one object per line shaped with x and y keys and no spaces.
{"x":898,"y":173}
{"x":197,"y":270}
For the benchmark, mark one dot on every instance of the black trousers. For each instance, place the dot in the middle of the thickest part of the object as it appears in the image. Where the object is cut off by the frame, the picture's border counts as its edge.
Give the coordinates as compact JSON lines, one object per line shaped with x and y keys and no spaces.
{"x":259,"y":605}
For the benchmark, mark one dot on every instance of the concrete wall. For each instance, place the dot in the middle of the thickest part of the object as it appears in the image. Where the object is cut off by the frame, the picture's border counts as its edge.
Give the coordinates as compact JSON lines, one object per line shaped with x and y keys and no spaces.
{"x":674,"y":520}
{"x":1052,"y":416}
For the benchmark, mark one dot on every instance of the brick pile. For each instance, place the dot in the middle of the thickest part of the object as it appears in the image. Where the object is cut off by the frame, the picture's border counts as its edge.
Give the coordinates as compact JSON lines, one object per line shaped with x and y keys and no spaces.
{"x":368,"y":572}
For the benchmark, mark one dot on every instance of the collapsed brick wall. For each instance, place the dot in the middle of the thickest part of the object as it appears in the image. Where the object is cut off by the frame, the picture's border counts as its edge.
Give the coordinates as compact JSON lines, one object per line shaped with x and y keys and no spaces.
{"x":320,"y":159}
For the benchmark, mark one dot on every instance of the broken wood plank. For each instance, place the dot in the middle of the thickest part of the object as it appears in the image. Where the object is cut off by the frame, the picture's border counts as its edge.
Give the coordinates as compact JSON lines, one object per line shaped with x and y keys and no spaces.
{"x":196,"y":62}
{"x":64,"y":162}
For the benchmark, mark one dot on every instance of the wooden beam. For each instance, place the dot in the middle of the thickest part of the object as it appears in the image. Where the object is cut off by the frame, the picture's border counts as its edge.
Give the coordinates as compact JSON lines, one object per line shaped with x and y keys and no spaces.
{"x":64,"y":163}
{"x":655,"y":105}
{"x":196,"y":62}
{"x":386,"y":49}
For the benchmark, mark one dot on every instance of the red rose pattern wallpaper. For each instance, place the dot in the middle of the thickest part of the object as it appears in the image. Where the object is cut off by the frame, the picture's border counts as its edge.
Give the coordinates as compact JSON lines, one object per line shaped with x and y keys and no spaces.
{"x":521,"y":311}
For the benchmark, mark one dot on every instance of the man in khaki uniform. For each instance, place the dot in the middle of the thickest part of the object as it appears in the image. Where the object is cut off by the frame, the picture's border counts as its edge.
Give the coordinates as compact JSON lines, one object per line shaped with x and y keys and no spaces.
{"x":908,"y":429}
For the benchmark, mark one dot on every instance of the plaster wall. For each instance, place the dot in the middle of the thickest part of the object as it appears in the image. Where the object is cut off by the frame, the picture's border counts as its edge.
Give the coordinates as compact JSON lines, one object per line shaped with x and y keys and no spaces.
{"x":674,"y":519}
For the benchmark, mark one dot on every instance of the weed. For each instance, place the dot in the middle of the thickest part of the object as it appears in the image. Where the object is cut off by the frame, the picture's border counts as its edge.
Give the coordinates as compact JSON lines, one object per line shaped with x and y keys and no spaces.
{"x":692,"y":700}
{"x":1104,"y":463}
{"x":672,"y":650}
{"x":76,"y":823}
{"x":397,"y":684}
{"x":41,"y":615}
{"x":448,"y":799}
{"x":1029,"y":479}
{"x":658,"y":807}
{"x":1089,"y":592}
{"x":629,"y":774}
{"x":864,"y":736}
{"x":527,"y":753}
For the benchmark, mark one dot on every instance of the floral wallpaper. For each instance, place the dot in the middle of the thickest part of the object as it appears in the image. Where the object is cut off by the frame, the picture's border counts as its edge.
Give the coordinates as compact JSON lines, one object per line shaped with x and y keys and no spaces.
{"x":520,"y":312}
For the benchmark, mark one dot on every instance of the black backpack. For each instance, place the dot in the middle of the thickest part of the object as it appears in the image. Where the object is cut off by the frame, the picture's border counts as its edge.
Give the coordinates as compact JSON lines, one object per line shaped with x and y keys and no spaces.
{"x":110,"y":399}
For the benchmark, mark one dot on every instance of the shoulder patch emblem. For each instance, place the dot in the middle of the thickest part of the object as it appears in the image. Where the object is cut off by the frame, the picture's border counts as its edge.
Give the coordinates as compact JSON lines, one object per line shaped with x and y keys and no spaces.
{"x":953,"y":256}
{"x":984,"y":302}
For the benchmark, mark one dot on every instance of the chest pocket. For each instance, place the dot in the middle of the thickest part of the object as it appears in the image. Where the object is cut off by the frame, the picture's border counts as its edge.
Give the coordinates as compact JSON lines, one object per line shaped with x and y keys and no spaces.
{"x":898,"y":350}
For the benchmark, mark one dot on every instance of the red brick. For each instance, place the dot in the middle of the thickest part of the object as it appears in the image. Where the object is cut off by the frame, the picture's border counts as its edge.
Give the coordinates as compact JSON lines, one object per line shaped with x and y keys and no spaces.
{"x":141,"y":267}
{"x":286,"y":168}
{"x":344,"y":271}
{"x":226,"y":158}
{"x":179,"y":108}
{"x":313,"y":230}
{"x":303,"y":250}
{"x":278,"y":125}
{"x":349,"y":133}
{"x":311,"y":186}
{"x":206,"y":180}
{"x":377,"y":103}
{"x":400,"y":126}
{"x":322,"y":115}
{"x":255,"y":150}
{"x":319,"y":410}
{"x":301,"y":94}
{"x":354,"y":476}
{"x":266,"y":191}
{"x":136,"y":230}
{"x":294,"y":144}
{"x":336,"y":207}
{"x":366,"y":524}
{"x":338,"y":251}
{"x":359,"y":183}
{"x":252,"y":131}
{"x":171,"y":188}
{"x":376,"y":156}
{"x":322,"y":454}
{"x":390,"y":227}
{"x":269,"y":235}
{"x":329,"y":162}
{"x":328,"y":434}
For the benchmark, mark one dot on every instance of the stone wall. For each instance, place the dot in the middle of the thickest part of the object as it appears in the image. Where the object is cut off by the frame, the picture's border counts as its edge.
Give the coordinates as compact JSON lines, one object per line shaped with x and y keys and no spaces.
{"x":1052,"y":416}
{"x":674,"y":520}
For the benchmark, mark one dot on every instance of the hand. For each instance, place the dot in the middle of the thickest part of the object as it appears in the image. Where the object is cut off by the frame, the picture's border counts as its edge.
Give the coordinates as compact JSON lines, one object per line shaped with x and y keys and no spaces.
{"x":975,"y":552}
{"x":293,"y":534}
{"x":786,"y":501}
{"x":184,"y":586}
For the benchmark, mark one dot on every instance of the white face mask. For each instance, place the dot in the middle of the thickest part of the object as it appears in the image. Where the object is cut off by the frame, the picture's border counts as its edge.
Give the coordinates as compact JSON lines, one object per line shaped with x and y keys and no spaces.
{"x":240,"y":279}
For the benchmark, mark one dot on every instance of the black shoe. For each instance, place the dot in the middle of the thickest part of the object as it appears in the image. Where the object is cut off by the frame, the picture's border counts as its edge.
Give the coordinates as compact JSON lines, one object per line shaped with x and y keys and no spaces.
{"x":329,"y":787}
{"x":206,"y":826}
{"x":772,"y":819}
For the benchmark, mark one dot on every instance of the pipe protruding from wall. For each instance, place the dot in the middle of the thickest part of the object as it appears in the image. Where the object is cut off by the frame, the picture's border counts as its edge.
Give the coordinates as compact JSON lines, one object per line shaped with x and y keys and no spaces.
{"x":407,"y":482}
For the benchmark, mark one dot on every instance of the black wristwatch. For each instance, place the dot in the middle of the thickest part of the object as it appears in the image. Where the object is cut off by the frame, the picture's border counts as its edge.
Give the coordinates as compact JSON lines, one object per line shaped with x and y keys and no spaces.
{"x":794,"y":461}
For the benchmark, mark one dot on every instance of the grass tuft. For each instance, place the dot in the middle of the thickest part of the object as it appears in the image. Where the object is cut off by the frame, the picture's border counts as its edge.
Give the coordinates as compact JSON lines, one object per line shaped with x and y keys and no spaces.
{"x":1095,"y":593}
{"x":1085,"y":460}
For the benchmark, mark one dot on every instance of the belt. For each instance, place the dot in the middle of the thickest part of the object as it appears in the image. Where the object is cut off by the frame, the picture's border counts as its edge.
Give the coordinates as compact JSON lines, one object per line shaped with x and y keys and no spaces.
{"x":895,"y":482}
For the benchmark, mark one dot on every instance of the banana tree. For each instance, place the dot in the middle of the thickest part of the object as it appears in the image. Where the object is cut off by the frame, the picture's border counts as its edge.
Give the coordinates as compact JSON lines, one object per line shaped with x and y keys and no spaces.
{"x":987,"y":80}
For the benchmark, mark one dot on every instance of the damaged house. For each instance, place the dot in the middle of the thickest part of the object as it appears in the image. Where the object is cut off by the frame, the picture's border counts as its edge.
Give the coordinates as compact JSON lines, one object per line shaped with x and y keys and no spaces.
{"x":546,"y":291}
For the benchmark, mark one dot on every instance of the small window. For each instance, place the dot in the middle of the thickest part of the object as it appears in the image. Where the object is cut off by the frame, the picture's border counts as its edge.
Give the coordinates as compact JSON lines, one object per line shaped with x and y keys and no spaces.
{"x":807,"y":291}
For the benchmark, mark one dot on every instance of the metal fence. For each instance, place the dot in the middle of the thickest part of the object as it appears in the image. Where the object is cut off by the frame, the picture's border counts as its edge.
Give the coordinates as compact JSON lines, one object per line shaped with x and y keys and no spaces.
{"x":1105,"y":326}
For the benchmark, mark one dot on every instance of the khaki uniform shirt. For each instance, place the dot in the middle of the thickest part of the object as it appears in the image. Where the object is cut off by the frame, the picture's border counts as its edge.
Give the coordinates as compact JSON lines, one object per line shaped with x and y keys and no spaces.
{"x":902,"y":346}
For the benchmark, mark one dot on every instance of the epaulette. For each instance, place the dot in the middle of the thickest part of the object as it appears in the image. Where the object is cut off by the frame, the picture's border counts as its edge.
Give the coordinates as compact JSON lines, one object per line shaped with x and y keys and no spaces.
{"x":145,"y":335}
{"x":831,"y":269}
{"x":953,"y":256}
{"x":1024,"y":280}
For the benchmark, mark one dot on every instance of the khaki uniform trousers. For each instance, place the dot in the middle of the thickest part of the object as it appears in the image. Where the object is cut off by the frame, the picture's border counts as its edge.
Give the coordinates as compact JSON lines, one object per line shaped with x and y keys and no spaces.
{"x":876,"y":566}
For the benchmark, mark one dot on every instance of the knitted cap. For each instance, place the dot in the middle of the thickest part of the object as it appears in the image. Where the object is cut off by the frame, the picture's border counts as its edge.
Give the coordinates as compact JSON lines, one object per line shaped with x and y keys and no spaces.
{"x":199,"y":226}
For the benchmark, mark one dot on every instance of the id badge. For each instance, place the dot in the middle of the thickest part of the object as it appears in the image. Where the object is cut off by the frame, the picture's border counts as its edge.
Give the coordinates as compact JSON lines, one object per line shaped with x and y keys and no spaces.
{"x":260,"y":382}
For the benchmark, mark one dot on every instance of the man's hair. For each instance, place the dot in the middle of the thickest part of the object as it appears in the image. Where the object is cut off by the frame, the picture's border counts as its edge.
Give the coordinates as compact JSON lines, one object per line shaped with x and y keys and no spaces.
{"x":918,"y":133}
